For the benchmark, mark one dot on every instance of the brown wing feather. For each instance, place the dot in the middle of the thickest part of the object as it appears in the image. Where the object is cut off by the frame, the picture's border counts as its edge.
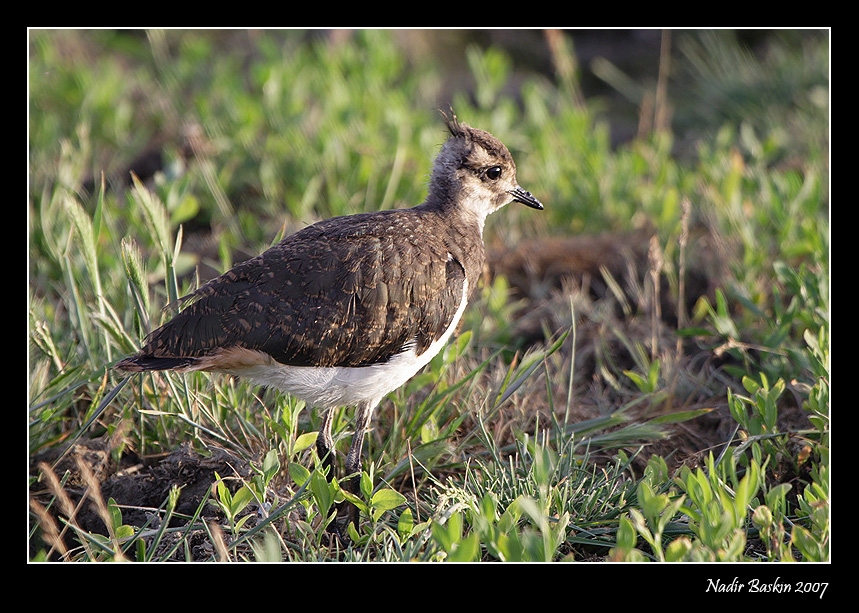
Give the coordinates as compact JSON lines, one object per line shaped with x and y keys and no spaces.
{"x":338,"y":293}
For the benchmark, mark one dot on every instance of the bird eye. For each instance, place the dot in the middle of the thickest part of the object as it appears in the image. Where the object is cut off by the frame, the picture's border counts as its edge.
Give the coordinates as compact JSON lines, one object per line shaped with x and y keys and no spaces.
{"x":494,"y":172}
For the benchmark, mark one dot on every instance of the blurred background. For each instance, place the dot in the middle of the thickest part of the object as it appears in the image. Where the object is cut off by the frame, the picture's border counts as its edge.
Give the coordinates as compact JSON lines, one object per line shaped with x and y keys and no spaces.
{"x":268,"y":107}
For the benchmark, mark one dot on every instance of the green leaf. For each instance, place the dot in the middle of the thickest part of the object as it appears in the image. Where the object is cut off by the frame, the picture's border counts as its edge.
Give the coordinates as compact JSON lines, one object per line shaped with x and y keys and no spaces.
{"x":322,"y":492}
{"x":405,"y":524}
{"x":679,"y":416}
{"x":298,"y":473}
{"x":224,"y":495}
{"x":448,"y":534}
{"x":186,"y":210}
{"x":141,"y":550}
{"x":270,"y":465}
{"x":734,"y":550}
{"x":387,"y":499}
{"x":678,"y":549}
{"x":775,"y":496}
{"x":353,"y":499}
{"x":366,"y":485}
{"x":810,"y":546}
{"x":640,"y":381}
{"x":304,"y":441}
{"x":429,"y":430}
{"x":626,"y":536}
{"x":241,"y":522}
{"x":115,"y":513}
{"x":466,"y":550}
{"x":747,"y":488}
{"x":124,"y":531}
{"x":462,"y":342}
{"x":751,"y":385}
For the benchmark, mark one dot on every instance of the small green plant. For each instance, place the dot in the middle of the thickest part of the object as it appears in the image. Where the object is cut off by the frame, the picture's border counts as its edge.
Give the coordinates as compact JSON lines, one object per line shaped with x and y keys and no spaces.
{"x":718,"y":510}
{"x":114,"y":546}
{"x":523,"y":532}
{"x":372,"y":503}
{"x":715,"y":514}
{"x":232,"y":505}
{"x":813,"y":541}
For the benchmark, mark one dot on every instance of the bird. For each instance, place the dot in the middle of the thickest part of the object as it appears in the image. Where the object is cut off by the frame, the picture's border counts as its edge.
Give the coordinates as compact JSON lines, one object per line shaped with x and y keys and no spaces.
{"x":346,"y":310}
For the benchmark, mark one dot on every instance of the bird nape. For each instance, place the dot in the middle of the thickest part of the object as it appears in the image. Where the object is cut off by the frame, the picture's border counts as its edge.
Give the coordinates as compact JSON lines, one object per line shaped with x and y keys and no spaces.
{"x":347,"y":310}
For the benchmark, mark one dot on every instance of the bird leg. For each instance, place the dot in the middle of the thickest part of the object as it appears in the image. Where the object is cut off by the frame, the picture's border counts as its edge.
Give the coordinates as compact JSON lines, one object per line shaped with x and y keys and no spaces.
{"x":326,"y":451}
{"x":353,"y":459}
{"x":327,"y":455}
{"x":325,"y":444}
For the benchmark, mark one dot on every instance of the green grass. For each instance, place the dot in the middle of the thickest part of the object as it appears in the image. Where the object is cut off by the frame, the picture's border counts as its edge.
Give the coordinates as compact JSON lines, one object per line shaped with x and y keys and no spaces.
{"x":482,"y":456}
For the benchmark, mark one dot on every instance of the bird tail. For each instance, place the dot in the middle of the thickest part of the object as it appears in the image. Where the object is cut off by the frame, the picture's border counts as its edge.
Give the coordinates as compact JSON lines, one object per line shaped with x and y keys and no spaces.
{"x":142,"y":363}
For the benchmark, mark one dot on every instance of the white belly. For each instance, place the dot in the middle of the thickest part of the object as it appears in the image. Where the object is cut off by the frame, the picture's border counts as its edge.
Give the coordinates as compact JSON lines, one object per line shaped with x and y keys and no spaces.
{"x":336,"y":386}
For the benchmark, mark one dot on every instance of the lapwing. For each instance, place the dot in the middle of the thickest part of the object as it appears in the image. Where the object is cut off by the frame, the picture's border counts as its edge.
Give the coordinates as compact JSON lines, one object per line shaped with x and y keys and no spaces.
{"x":347,"y":310}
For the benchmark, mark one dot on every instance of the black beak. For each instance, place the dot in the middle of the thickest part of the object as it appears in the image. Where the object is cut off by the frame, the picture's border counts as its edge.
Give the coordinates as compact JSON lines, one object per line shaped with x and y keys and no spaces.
{"x":520,"y":195}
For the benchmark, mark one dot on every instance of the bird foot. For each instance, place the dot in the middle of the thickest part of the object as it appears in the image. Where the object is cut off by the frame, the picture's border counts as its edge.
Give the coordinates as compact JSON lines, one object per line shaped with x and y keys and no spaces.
{"x":338,"y":530}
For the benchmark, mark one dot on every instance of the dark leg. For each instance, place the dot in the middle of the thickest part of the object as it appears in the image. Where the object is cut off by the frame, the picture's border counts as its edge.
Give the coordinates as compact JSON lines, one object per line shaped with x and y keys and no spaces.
{"x":353,"y":459}
{"x":327,"y":454}
{"x":325,"y":444}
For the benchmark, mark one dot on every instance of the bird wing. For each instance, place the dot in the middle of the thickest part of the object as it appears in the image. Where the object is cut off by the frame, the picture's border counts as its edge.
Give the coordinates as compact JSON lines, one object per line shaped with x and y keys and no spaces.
{"x":344,"y":292}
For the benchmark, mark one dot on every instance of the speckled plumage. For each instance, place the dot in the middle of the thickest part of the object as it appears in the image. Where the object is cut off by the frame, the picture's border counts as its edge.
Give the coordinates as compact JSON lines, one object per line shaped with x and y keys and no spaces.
{"x":354,"y":301}
{"x":348,"y":291}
